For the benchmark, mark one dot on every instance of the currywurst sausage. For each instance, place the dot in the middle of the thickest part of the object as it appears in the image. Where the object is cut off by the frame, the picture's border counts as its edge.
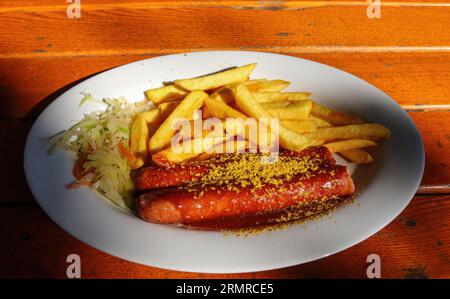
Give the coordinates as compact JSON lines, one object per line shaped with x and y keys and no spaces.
{"x":199,"y":203}
{"x":154,"y":177}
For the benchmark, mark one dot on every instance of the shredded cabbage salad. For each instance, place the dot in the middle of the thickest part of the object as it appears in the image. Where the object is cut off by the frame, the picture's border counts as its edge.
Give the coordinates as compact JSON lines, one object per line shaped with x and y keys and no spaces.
{"x":101,"y":141}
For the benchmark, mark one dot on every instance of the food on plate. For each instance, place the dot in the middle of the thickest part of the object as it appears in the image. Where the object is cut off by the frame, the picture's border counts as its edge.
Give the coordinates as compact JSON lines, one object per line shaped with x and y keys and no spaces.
{"x":216,"y":80}
{"x":334,"y":117}
{"x":161,"y":139}
{"x":220,"y":150}
{"x":349,"y":144}
{"x":165,"y":94}
{"x":245,"y":185}
{"x":290,"y":110}
{"x":357,"y":155}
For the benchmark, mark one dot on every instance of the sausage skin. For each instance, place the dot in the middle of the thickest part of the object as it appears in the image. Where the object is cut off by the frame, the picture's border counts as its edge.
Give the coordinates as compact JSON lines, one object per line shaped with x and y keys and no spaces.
{"x":154,"y":177}
{"x":178,"y":205}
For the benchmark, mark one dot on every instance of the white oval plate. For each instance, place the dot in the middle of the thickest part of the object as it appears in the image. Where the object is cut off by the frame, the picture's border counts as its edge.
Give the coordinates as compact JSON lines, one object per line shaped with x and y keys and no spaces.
{"x":390,"y":182}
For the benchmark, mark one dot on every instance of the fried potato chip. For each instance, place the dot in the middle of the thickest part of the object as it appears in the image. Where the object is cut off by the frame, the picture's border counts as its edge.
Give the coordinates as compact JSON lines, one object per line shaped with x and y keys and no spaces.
{"x":186,"y":150}
{"x":343,"y":145}
{"x":359,"y":131}
{"x":185,"y":110}
{"x":288,"y":138}
{"x":139,"y":137}
{"x":265,"y":97}
{"x":293,"y":110}
{"x":358,"y":156}
{"x":222,"y":110}
{"x":165,"y":94}
{"x":142,"y":128}
{"x":212,"y":81}
{"x":226,"y":94}
{"x":238,"y":146}
{"x":299,"y":126}
{"x":334,"y":117}
{"x":320,"y":123}
{"x":268,"y":85}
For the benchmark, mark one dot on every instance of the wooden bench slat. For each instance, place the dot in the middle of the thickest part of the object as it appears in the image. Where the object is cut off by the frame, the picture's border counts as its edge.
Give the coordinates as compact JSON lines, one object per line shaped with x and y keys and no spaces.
{"x":235,"y":4}
{"x":417,"y":81}
{"x":124,"y":30}
{"x":416,"y":244}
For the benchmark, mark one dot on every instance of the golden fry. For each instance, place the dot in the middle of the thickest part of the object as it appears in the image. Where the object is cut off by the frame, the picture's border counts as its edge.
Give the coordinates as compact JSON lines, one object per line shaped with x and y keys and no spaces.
{"x":334,"y":117}
{"x":186,"y":150}
{"x":295,"y":110}
{"x":299,"y":126}
{"x":358,"y":156}
{"x":165,"y":94}
{"x":225,"y":93}
{"x":363,"y":131}
{"x":185,"y":110}
{"x":288,"y":138}
{"x":231,"y":76}
{"x":143,"y":127}
{"x":265,"y":97}
{"x":320,"y":123}
{"x":238,"y":146}
{"x":222,"y":110}
{"x":139,"y":136}
{"x":268,"y":86}
{"x":343,"y":145}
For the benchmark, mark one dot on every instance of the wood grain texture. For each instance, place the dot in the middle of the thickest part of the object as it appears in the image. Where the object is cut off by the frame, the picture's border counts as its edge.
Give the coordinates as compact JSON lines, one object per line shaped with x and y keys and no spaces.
{"x":406,"y":54}
{"x":236,"y":4}
{"x":417,"y":81}
{"x":119,"y":30}
{"x":434,"y":127}
{"x":416,"y":244}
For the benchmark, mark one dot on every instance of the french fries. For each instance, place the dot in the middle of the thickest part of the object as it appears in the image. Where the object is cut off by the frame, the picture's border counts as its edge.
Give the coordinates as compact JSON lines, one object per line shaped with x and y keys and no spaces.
{"x":359,"y":131}
{"x":225,"y":93}
{"x":358,"y":156}
{"x":238,"y":146}
{"x":222,"y":110}
{"x":268,"y":85}
{"x":296,"y":110}
{"x":142,"y":128}
{"x":288,"y":139}
{"x":162,"y":137}
{"x":186,"y":150}
{"x":349,"y":144}
{"x":334,"y":117}
{"x":239,"y":107}
{"x":231,"y":76}
{"x":320,"y":123}
{"x":165,"y":94}
{"x":300,"y":126}
{"x":267,"y":97}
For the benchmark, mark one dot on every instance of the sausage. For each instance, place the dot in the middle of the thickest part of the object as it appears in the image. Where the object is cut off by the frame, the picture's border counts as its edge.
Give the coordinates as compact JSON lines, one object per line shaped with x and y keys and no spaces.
{"x":154,"y":177}
{"x":179,"y":205}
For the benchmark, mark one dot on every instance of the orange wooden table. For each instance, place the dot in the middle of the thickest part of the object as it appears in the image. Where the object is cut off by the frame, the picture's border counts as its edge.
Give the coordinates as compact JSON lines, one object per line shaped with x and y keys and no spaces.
{"x":406,"y":53}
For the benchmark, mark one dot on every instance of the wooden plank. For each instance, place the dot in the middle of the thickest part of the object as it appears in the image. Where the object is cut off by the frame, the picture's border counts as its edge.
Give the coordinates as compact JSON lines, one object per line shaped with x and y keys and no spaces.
{"x":434,"y":127}
{"x":415,"y":245}
{"x":120,"y":30}
{"x":414,"y":80}
{"x":435,"y":130}
{"x":236,"y":4}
